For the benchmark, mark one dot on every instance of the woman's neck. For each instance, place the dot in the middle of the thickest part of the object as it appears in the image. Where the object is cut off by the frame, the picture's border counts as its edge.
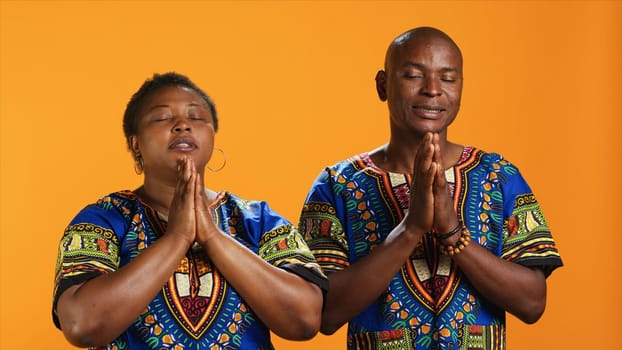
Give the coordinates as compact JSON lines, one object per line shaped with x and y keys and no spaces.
{"x":157,"y":195}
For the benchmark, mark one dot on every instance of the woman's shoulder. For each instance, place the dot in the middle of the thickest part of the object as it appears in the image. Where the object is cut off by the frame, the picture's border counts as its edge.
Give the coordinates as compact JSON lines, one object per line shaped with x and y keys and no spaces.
{"x":119,"y":196}
{"x":122,"y":203}
{"x":124,"y":199}
{"x":240,"y":205}
{"x":112,"y":212}
{"x":239,"y":201}
{"x":250,"y":209}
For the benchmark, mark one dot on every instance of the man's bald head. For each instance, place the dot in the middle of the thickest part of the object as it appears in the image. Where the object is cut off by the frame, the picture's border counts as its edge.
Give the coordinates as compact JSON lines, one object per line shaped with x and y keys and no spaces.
{"x":412,"y":35}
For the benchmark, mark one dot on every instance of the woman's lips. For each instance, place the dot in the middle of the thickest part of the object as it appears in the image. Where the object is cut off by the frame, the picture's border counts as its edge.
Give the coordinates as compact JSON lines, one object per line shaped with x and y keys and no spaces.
{"x":183,"y":144}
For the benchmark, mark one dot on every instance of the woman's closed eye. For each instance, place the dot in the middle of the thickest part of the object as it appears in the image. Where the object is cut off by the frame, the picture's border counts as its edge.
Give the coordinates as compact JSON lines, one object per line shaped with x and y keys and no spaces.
{"x":162,"y":117}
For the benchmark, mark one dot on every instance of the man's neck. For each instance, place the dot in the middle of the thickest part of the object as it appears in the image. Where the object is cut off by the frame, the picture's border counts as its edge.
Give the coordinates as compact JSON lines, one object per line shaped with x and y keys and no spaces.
{"x":398,"y":156}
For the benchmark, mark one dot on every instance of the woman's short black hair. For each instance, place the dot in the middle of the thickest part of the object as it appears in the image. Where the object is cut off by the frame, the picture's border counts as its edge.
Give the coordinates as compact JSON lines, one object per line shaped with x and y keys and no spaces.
{"x":157,"y":82}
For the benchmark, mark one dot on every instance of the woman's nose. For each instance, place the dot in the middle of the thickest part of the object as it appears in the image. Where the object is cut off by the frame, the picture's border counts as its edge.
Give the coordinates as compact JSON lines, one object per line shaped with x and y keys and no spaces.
{"x":181,"y":125}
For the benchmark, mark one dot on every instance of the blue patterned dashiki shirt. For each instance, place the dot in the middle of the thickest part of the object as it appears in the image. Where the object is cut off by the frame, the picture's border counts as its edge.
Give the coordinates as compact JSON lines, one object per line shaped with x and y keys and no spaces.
{"x":354,"y":205}
{"x":197,"y":308}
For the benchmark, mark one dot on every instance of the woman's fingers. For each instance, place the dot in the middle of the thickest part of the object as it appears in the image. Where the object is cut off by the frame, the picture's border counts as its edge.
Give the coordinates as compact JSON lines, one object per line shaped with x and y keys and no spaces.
{"x":204,"y":222}
{"x":181,"y":218}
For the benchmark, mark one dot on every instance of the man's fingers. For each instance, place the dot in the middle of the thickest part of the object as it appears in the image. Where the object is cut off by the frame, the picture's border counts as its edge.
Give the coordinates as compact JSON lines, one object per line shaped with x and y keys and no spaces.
{"x":434,"y":169}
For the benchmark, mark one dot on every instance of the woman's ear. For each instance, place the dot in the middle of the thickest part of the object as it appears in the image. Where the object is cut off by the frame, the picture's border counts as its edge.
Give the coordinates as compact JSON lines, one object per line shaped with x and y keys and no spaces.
{"x":133,"y":144}
{"x":381,"y":85}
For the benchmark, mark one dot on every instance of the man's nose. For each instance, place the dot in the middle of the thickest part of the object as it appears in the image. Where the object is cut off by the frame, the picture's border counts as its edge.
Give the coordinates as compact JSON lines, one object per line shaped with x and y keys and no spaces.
{"x":431,"y":86}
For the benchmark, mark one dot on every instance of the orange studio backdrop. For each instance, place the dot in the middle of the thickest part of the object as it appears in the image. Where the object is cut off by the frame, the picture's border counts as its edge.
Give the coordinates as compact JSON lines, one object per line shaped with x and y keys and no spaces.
{"x":293,"y":84}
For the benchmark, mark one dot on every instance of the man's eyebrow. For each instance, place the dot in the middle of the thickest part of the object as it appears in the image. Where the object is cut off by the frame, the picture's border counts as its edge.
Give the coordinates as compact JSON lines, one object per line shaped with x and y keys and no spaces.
{"x":422,"y":66}
{"x":414,"y":64}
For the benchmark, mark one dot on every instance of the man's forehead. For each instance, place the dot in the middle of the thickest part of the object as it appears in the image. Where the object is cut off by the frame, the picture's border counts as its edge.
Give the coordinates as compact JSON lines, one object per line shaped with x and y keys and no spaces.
{"x":428,"y":45}
{"x":417,"y":41}
{"x":423,"y":40}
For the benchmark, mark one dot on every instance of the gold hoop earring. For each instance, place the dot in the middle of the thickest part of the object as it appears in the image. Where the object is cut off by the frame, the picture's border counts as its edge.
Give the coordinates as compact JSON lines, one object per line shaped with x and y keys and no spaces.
{"x":139,"y":165}
{"x":224,"y":161}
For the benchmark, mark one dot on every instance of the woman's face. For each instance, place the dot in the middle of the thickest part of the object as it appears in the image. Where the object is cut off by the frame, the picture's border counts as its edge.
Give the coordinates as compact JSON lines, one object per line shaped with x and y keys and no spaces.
{"x":174,"y":122}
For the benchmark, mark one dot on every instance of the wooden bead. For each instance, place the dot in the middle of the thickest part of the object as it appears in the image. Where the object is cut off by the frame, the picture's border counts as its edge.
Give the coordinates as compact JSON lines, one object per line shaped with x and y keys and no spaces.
{"x":463,"y":242}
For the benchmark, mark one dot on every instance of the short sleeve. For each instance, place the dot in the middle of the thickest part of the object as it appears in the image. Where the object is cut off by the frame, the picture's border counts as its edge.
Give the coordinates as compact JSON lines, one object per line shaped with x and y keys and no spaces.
{"x":527,"y":239}
{"x":284,"y":247}
{"x":321,"y":225}
{"x":88,"y":248}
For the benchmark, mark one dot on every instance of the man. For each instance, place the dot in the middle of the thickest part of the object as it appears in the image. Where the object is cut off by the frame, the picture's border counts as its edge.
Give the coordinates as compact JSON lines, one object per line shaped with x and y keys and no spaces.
{"x":427,"y":243}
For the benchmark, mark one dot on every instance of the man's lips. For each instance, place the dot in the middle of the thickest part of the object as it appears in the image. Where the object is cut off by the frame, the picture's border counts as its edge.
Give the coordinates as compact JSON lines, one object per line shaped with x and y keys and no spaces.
{"x":183,"y":144}
{"x":424,"y":108}
{"x":428,"y":111}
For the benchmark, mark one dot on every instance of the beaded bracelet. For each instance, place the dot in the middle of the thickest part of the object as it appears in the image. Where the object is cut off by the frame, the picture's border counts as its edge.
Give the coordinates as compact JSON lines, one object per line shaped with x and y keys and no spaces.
{"x":450,"y":233}
{"x":465,"y":238}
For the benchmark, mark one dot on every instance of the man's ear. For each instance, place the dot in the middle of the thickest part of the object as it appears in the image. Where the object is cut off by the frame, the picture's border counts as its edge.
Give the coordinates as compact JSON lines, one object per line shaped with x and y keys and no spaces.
{"x":381,"y":85}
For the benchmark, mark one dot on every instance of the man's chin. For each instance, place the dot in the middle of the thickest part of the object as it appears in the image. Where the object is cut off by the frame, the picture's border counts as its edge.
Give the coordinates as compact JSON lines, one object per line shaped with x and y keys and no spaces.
{"x":428,"y":127}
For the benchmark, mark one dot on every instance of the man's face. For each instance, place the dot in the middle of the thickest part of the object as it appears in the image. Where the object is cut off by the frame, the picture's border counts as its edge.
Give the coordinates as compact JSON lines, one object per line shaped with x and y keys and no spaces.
{"x":423,"y":84}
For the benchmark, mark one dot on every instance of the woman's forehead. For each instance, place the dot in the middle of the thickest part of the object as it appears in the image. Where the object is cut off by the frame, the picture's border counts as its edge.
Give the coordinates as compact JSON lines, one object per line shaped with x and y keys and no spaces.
{"x":173,"y":94}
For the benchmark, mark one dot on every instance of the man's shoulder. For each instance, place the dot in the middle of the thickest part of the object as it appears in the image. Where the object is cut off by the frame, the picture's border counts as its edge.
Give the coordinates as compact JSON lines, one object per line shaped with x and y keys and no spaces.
{"x":355,"y":161}
{"x":486,"y":158}
{"x":493,"y":163}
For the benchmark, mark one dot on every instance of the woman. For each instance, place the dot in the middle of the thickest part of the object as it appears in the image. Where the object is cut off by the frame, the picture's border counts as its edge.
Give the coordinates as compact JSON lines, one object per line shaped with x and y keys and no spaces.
{"x":174,"y":265}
